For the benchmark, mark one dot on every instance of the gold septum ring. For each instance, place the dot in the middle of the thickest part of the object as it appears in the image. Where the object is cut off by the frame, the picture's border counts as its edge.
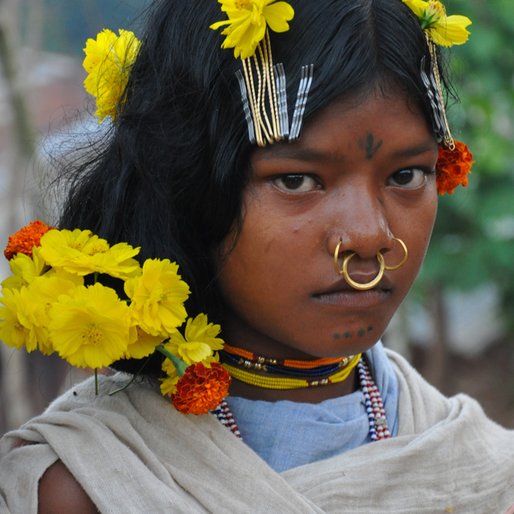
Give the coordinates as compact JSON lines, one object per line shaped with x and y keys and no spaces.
{"x":382,"y":266}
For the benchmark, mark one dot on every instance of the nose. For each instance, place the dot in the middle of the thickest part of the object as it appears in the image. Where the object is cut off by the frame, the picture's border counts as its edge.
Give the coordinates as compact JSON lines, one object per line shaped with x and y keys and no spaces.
{"x":360,"y":225}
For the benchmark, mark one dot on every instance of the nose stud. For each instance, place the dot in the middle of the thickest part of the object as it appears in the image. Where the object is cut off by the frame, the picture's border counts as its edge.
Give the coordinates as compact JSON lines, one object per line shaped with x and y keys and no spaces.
{"x":382,"y":266}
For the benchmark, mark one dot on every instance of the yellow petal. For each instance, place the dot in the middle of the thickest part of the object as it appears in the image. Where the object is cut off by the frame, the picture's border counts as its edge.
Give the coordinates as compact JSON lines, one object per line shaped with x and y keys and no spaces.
{"x":451,"y":31}
{"x":277,"y":16}
{"x":416,"y":6}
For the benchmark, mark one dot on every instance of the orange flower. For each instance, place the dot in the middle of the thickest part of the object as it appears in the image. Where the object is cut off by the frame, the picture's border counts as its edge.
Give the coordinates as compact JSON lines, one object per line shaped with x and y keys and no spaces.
{"x":25,"y":239}
{"x":201,"y":388}
{"x":452,"y":167}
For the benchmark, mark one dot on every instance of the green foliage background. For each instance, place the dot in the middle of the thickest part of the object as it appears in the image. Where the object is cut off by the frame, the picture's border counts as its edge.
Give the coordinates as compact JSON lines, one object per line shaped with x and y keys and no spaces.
{"x":473,"y":242}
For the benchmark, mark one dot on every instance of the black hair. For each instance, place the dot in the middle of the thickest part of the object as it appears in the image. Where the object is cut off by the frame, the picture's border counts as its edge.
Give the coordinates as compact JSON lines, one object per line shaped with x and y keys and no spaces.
{"x":170,"y":174}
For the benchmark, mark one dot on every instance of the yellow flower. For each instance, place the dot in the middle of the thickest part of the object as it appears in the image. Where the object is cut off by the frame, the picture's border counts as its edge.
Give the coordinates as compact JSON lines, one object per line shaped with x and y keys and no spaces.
{"x":82,"y":252}
{"x":41,"y":294}
{"x":24,"y":317}
{"x":15,"y":329}
{"x":157,"y":297}
{"x":142,"y":344}
{"x":90,"y":327}
{"x":442,"y":30}
{"x":169,"y":385}
{"x":71,"y":249}
{"x":247,"y":23}
{"x":108,"y":61}
{"x":24,"y":269}
{"x":117,"y":261}
{"x":199,"y":343}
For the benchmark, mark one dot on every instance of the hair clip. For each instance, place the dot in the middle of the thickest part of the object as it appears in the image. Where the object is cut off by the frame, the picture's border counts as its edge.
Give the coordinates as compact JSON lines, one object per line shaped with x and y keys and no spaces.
{"x":441,"y":30}
{"x":455,"y":160}
{"x":263,"y":84}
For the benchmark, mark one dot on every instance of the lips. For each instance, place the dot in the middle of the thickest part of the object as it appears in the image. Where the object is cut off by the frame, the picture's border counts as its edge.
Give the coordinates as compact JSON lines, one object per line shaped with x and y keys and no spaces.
{"x":340,"y":293}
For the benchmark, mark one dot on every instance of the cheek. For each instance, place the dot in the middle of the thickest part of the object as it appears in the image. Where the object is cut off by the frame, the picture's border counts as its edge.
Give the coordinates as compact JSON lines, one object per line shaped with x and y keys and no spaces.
{"x":429,"y":218}
{"x":420,"y":232}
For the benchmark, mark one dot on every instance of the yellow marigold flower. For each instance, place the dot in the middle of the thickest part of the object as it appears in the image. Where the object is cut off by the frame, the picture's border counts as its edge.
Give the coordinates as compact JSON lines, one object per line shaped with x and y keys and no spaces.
{"x":108,"y":61}
{"x":25,"y":269}
{"x":247,"y":23}
{"x":142,"y":344}
{"x":199,"y":343}
{"x":15,"y":329}
{"x":82,"y":252}
{"x":442,"y":29}
{"x":157,"y":297}
{"x":90,"y":327}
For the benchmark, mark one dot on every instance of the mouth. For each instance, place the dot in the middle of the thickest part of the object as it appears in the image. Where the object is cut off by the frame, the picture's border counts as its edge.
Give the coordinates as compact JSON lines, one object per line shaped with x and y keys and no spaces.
{"x":340,"y":293}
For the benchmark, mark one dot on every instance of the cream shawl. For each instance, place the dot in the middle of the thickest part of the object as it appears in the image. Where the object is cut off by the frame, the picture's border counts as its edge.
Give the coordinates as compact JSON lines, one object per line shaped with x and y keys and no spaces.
{"x":132,"y":453}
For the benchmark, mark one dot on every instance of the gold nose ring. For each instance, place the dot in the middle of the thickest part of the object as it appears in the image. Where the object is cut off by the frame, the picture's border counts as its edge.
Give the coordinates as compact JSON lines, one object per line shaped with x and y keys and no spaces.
{"x":404,"y":259}
{"x":343,"y":270}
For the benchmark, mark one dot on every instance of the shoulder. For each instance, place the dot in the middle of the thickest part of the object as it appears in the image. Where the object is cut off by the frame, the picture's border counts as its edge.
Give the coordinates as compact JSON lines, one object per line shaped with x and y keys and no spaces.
{"x":60,"y":492}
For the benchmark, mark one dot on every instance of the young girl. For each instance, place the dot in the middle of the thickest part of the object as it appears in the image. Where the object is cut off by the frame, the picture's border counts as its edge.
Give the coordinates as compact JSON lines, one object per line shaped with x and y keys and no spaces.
{"x":293,"y":176}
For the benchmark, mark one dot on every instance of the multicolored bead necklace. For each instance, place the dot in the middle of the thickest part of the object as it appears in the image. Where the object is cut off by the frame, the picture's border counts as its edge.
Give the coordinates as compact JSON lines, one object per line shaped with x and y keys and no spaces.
{"x":377,"y":422}
{"x":373,"y":403}
{"x":271,"y":373}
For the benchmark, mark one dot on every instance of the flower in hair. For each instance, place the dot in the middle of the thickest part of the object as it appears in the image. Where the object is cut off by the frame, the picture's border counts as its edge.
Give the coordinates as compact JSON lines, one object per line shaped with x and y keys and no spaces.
{"x":247,"y":23}
{"x":108,"y":61}
{"x":441,"y":29}
{"x":25,"y":239}
{"x":54,"y":302}
{"x":452,"y":167}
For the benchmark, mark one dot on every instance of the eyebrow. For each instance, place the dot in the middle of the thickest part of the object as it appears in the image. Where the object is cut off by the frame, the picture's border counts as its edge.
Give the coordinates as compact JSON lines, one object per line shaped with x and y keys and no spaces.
{"x":299,"y":154}
{"x":413,"y":151}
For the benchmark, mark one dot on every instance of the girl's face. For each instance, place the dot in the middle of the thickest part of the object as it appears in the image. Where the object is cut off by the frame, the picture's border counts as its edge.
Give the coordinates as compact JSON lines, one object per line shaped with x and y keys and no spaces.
{"x":360,"y":172}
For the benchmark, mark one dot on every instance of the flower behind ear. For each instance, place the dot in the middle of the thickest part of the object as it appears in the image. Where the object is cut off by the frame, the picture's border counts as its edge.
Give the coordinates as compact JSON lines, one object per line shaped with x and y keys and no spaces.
{"x":453,"y":167}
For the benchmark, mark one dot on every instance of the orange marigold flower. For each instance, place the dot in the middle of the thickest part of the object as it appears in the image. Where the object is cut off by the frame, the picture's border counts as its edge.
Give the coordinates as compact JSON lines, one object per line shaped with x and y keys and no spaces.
{"x":25,"y":239}
{"x":201,"y":388}
{"x":453,"y":167}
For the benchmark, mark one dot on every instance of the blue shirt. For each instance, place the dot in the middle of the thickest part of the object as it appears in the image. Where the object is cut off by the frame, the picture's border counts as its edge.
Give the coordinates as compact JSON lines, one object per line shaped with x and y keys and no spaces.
{"x":287,"y":434}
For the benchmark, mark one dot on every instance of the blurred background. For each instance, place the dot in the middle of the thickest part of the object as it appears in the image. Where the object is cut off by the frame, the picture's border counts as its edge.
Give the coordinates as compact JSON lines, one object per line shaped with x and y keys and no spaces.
{"x":457,"y":325}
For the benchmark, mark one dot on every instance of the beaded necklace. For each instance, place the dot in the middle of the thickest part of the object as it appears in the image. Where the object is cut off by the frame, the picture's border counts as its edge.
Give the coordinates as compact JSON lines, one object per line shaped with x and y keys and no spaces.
{"x":377,"y":422}
{"x":271,"y":373}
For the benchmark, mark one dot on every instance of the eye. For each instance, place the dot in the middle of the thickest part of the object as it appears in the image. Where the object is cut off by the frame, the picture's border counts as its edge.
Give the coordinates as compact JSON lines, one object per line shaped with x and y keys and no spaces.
{"x":295,"y":183}
{"x":410,"y":178}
